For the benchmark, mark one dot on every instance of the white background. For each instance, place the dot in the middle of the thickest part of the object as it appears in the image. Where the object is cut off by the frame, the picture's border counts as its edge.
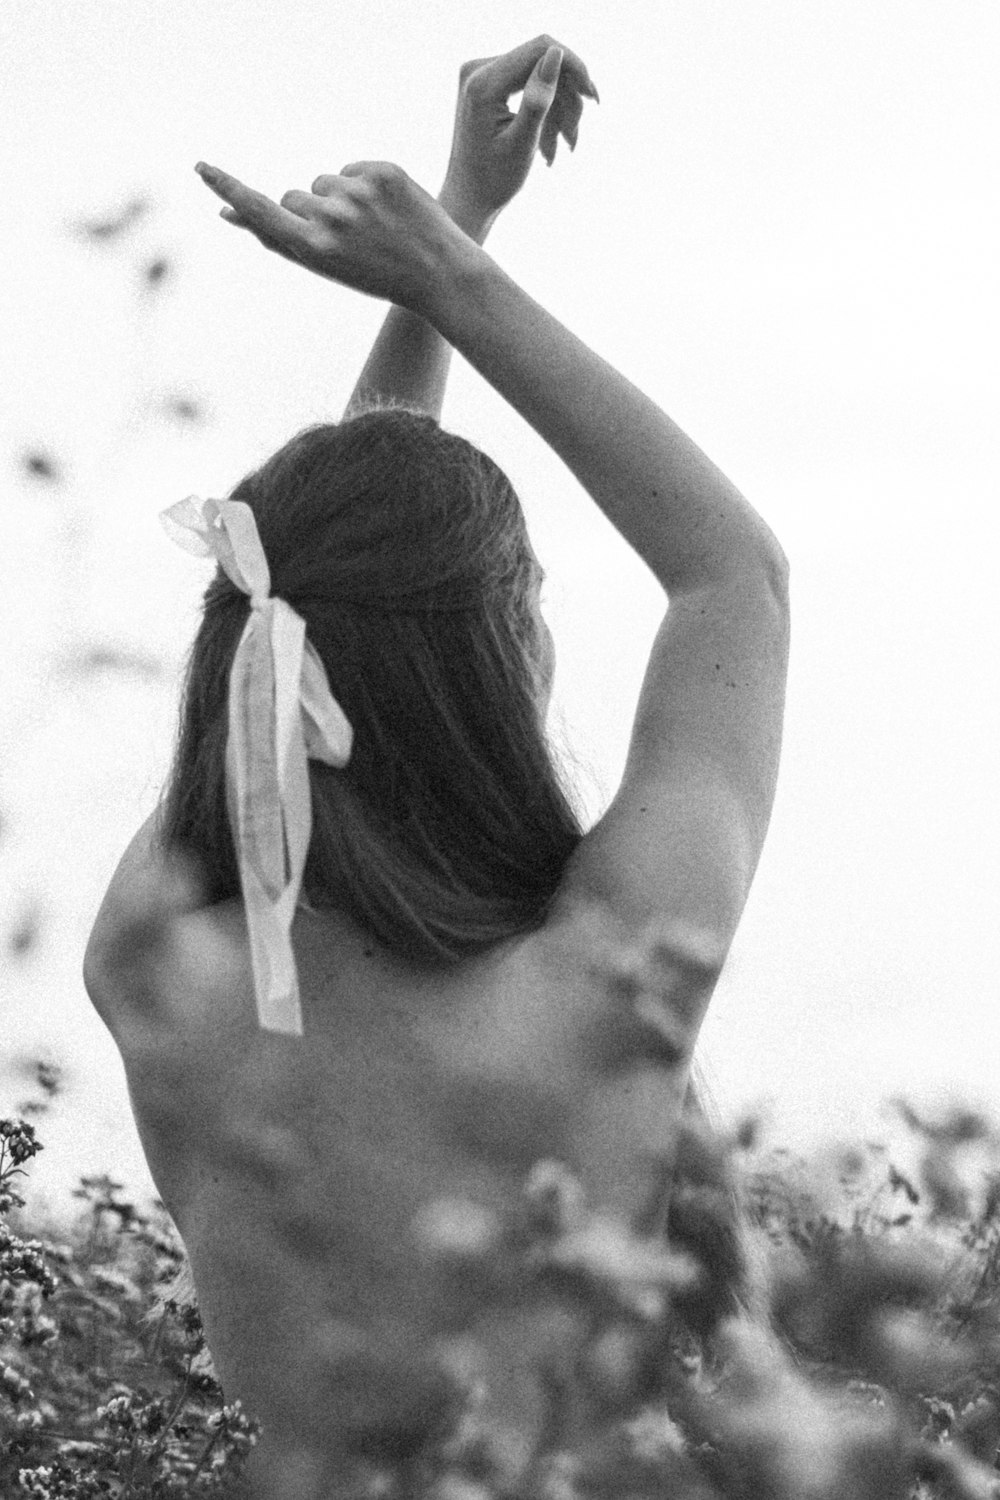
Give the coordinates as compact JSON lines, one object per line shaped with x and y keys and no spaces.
{"x":781,"y":222}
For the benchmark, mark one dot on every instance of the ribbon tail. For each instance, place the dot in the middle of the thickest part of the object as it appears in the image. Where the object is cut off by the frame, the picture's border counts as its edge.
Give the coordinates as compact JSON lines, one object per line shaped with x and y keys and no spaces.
{"x":252,"y":759}
{"x":327,"y":731}
{"x":276,"y":985}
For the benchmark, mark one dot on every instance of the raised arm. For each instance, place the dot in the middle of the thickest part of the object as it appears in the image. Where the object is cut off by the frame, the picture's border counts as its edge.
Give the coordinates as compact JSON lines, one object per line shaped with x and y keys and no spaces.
{"x":491,"y":155}
{"x":666,"y":872}
{"x":658,"y":886}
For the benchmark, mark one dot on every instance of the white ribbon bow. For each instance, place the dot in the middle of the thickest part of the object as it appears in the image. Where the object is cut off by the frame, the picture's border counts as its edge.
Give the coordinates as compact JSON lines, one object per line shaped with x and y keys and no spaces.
{"x":281,"y":715}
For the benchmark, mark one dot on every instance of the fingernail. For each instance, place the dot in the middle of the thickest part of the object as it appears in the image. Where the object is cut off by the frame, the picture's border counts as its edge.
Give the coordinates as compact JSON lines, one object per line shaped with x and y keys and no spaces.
{"x":551,"y":63}
{"x":208,"y":173}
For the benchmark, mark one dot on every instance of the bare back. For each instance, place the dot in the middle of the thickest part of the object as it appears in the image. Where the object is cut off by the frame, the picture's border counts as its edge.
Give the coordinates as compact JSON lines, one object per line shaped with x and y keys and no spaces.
{"x":299,"y":1170}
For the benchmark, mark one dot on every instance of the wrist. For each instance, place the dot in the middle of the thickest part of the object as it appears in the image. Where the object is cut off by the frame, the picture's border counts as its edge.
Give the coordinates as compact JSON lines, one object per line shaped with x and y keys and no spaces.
{"x":471,"y":220}
{"x":458,"y":285}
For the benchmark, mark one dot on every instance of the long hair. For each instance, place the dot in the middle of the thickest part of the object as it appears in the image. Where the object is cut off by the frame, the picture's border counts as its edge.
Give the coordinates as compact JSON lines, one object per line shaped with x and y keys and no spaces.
{"x":404,"y":549}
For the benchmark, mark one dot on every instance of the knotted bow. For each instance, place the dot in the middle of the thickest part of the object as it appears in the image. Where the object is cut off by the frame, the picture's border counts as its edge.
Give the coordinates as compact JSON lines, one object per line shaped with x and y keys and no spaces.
{"x":281,"y":715}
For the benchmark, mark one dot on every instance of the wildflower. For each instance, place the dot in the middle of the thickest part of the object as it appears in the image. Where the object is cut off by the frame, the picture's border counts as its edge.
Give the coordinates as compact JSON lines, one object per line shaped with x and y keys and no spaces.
{"x":24,"y":1260}
{"x":14,"y":1385}
{"x":19,"y":1138}
{"x":117,"y":1413}
{"x":940,"y":1418}
{"x":59,"y":1482}
{"x":238,"y":1431}
{"x":35,"y":1329}
{"x":35,"y":1482}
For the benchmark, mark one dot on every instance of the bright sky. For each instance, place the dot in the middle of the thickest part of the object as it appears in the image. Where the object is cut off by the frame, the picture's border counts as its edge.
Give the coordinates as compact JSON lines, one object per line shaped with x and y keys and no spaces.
{"x":781,"y":223}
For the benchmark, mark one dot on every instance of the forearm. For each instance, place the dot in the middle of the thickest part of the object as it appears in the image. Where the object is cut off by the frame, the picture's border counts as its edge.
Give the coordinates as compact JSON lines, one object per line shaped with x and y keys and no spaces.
{"x":666,"y":498}
{"x":409,"y":363}
{"x":410,"y":359}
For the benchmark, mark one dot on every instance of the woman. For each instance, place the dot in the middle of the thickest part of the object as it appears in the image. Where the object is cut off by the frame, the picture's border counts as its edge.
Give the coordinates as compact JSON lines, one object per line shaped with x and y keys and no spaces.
{"x":476,"y":984}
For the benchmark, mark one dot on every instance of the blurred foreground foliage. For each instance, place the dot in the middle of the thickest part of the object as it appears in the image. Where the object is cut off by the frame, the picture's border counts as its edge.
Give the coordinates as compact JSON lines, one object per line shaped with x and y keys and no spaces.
{"x":844,"y":1344}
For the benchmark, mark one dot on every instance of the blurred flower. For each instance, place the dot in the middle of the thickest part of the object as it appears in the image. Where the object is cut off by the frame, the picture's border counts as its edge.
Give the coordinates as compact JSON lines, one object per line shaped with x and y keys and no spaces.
{"x":456,"y":1227}
{"x":948,"y":1194}
{"x":104,"y":230}
{"x":747,"y":1133}
{"x":641,"y":1271}
{"x":898,"y":1181}
{"x":187,"y":410}
{"x":959,"y":1127}
{"x":103,"y":656}
{"x":156,"y":272}
{"x":554,"y":1199}
{"x":24,"y":935}
{"x":42,"y":466}
{"x":902,"y":1346}
{"x":791,"y":1441}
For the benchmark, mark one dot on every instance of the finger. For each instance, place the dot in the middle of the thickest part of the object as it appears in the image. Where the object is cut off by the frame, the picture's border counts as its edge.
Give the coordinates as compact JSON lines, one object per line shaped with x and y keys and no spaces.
{"x":332,"y":182}
{"x":232,"y":217}
{"x":505,"y":74}
{"x":326,"y":183}
{"x":549,"y":139}
{"x":539,"y":94}
{"x":303,"y":205}
{"x":256,"y":210}
{"x":567,"y":111}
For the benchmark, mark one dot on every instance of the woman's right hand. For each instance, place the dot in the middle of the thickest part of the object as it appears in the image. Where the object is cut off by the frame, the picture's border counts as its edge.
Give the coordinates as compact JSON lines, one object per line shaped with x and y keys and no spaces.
{"x":370,"y":227}
{"x":493,"y":149}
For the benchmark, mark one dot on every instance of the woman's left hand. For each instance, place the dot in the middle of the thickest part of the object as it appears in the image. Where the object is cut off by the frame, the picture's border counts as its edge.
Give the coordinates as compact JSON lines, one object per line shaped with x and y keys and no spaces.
{"x":370,"y":227}
{"x":493,"y":149}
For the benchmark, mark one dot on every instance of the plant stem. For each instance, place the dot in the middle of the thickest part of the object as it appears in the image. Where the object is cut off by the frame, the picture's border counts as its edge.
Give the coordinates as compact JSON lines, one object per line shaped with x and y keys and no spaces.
{"x":205,"y":1452}
{"x":173,"y":1415}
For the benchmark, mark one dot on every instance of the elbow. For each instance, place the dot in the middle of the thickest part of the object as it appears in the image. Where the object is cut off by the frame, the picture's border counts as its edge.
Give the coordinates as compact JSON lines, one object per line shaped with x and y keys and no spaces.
{"x":749,"y":553}
{"x":778,"y":570}
{"x":773,"y":564}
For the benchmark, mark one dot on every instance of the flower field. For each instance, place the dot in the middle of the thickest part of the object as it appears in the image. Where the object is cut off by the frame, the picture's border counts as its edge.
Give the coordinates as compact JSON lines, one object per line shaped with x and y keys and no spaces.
{"x":770,"y":1329}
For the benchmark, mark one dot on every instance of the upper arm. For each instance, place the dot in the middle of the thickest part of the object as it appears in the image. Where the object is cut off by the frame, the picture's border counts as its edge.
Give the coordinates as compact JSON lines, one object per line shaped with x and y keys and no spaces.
{"x":672,"y":859}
